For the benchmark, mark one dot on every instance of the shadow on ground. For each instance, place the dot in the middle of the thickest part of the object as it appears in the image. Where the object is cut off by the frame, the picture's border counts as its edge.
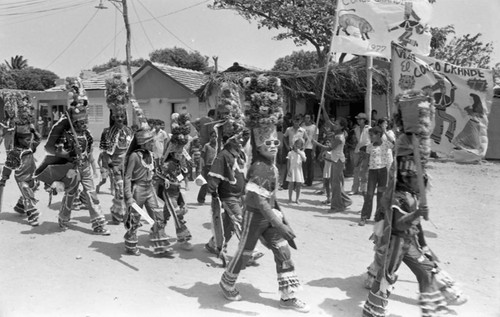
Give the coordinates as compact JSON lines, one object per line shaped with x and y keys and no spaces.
{"x":210,"y":297}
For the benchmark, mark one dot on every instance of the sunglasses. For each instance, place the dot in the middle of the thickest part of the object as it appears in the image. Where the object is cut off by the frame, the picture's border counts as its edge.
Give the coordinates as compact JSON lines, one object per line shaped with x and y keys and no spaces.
{"x":272,"y":142}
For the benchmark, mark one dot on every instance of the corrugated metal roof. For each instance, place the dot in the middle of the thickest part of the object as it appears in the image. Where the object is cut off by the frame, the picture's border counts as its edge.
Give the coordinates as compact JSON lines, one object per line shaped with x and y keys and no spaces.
{"x":192,"y":79}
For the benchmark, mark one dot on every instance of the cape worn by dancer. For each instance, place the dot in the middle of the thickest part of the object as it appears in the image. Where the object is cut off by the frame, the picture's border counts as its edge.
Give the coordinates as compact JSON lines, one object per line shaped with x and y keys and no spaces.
{"x":69,"y":146}
{"x":226,"y":179}
{"x":115,"y":141}
{"x":263,"y":219}
{"x":20,"y":159}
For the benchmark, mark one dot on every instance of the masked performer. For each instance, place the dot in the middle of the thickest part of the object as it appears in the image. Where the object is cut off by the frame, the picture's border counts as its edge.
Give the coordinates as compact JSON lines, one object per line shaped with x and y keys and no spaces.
{"x":69,"y":146}
{"x":226,"y":179}
{"x":263,"y":219}
{"x":399,"y":240}
{"x":139,"y":191}
{"x":115,"y":141}
{"x":172,"y":172}
{"x":20,"y":160}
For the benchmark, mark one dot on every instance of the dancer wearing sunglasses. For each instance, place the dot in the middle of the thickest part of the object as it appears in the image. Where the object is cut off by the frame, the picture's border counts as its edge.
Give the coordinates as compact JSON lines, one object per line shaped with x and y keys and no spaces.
{"x":263,"y":219}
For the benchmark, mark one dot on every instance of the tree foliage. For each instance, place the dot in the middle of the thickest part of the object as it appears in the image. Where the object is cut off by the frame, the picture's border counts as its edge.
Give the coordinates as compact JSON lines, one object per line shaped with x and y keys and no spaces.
{"x":17,"y":62}
{"x":6,"y":80}
{"x":31,"y":78}
{"x":113,"y":62}
{"x":303,"y":21}
{"x":466,"y":50}
{"x":298,"y":60}
{"x":181,"y":58}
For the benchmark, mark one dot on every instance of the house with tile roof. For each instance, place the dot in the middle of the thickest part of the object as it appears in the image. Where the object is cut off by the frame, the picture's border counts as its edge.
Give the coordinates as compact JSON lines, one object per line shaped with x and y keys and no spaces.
{"x":161,"y":90}
{"x":53,"y":102}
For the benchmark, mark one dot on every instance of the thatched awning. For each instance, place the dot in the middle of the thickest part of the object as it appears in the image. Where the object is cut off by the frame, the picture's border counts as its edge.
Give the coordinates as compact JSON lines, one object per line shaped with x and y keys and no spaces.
{"x":344,"y":81}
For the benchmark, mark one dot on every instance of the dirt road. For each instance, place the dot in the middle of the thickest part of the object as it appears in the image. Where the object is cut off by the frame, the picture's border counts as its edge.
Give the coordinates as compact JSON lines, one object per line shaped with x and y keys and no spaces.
{"x":46,"y":272}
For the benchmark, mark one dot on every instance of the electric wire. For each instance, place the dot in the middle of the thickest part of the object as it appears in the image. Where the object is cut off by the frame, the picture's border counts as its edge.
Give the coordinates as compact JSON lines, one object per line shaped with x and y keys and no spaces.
{"x":41,"y":10}
{"x":42,"y":16}
{"x":106,"y":46}
{"x":166,"y":29}
{"x":142,"y":26}
{"x":74,"y":39}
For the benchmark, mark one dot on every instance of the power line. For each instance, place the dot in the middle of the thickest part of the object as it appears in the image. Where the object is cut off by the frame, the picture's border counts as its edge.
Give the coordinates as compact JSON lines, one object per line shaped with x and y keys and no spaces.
{"x":161,"y":24}
{"x":142,"y":26}
{"x":102,"y":50}
{"x":49,"y":14}
{"x":74,"y":39}
{"x":42,"y":10}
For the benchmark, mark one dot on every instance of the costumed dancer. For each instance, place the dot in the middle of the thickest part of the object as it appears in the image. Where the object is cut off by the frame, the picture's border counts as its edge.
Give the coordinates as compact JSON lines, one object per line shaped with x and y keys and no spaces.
{"x":20,"y":159}
{"x":139,"y":192}
{"x":226,"y":179}
{"x":263,"y":219}
{"x":115,"y":141}
{"x":172,"y":172}
{"x":404,"y":206}
{"x":69,"y":146}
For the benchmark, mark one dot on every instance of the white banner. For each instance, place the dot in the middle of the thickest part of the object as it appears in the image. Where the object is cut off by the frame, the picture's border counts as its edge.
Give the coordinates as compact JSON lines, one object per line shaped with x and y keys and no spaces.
{"x":463,"y":98}
{"x":367,"y":27}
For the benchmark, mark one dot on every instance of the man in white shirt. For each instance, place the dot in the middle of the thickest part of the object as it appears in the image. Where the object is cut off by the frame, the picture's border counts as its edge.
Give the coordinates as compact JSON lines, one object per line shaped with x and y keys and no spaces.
{"x":160,"y":139}
{"x":360,"y":177}
{"x":311,"y":134}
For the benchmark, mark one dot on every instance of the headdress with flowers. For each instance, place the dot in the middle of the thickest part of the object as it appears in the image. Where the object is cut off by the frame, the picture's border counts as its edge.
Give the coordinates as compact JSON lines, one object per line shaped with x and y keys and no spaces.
{"x":180,"y":129}
{"x":263,"y":100}
{"x":117,"y":96}
{"x":230,"y":111}
{"x":16,"y":103}
{"x":77,"y":98}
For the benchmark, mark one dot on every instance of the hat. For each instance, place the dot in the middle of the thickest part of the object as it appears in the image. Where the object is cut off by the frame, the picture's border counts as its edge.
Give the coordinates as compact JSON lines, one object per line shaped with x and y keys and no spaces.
{"x":144,"y":136}
{"x":361,"y":115}
{"x":117,"y":96}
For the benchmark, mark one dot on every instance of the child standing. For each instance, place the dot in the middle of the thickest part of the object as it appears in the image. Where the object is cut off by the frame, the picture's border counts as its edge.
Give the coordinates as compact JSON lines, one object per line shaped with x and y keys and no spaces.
{"x":327,"y":169}
{"x":295,"y":176}
{"x":195,"y":152}
{"x":378,"y":151}
{"x":103,"y":163}
{"x":208,"y":154}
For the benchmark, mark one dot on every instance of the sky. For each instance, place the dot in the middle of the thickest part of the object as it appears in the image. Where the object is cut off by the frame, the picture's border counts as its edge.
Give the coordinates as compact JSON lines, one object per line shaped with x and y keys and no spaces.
{"x":67,"y":36}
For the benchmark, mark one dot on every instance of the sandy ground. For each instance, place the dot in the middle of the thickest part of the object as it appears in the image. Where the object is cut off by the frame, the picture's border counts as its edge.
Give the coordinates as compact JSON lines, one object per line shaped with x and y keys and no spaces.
{"x":46,"y":272}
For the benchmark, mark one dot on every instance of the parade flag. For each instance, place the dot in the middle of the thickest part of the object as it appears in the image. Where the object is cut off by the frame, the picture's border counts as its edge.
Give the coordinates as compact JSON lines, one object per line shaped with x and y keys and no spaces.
{"x":462,"y":95}
{"x":367,"y":27}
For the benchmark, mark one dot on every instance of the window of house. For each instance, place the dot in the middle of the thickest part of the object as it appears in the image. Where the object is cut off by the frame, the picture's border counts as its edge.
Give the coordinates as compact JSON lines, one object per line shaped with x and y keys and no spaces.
{"x":96,"y":113}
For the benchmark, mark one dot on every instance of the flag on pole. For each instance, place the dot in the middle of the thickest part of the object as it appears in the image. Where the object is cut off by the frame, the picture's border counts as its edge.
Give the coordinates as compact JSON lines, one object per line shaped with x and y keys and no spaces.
{"x":368,"y":27}
{"x":462,"y":95}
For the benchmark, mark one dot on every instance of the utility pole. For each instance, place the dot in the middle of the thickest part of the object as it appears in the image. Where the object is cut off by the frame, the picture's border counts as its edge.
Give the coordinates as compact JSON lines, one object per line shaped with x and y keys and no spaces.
{"x":124,"y":12}
{"x":127,"y":50}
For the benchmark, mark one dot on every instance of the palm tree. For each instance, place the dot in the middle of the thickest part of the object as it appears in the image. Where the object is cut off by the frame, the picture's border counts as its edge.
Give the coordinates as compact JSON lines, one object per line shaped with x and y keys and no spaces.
{"x":17,"y":62}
